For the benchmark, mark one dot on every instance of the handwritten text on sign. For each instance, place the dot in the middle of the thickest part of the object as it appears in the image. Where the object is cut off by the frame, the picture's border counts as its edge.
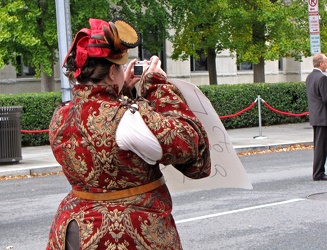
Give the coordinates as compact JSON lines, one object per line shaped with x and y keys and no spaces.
{"x":226,"y":169}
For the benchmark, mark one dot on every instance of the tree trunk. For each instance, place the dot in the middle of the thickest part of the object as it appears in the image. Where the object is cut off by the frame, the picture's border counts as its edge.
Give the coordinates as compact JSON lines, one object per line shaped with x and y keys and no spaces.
{"x":212,"y":66}
{"x":47,"y":82}
{"x":259,"y":71}
{"x":259,"y":38}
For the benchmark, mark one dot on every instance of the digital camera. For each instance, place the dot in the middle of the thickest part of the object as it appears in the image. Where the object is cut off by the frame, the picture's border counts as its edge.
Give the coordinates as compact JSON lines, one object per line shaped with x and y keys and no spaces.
{"x":139,"y":68}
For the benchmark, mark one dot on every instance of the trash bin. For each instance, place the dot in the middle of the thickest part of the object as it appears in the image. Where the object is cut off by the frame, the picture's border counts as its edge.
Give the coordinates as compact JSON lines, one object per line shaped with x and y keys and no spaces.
{"x":10,"y":136}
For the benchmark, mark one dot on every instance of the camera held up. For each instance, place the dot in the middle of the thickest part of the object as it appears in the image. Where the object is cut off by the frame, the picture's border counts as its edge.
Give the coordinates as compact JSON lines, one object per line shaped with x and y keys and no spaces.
{"x":139,"y":68}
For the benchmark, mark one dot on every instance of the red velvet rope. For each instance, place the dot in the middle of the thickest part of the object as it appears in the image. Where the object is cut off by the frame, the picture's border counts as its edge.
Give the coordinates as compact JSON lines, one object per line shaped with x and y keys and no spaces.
{"x":282,"y":112}
{"x":239,"y":112}
{"x":34,"y":131}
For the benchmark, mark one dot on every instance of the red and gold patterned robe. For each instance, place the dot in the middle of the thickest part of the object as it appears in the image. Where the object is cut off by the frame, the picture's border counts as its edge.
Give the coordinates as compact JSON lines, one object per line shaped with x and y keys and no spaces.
{"x":82,"y":137}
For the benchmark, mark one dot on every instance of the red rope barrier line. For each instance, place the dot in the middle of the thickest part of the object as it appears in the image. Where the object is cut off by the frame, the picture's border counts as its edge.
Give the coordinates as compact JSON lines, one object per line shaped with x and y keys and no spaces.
{"x":34,"y":131}
{"x":221,"y":117}
{"x":282,"y":112}
{"x":239,"y":112}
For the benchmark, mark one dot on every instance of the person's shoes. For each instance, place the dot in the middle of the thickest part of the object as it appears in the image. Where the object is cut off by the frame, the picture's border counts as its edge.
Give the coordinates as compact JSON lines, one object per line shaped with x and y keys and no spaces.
{"x":323,"y":178}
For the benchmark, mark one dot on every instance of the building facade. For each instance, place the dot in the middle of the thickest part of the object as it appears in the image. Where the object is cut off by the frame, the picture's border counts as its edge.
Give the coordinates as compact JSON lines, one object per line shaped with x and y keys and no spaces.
{"x":284,"y":70}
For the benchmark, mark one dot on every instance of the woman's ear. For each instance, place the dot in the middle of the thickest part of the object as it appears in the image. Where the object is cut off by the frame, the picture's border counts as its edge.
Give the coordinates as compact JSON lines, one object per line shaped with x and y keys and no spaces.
{"x":112,"y":72}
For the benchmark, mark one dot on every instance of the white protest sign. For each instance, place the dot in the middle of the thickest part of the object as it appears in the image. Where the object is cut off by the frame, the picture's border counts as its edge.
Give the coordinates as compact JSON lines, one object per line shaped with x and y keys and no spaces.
{"x":226,"y":168}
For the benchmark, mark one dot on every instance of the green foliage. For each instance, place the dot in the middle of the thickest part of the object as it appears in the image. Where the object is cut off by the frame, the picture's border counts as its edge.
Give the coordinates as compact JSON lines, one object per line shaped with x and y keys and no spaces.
{"x":27,"y":29}
{"x":95,"y":9}
{"x":198,"y":25}
{"x":285,"y":31}
{"x":36,"y":115}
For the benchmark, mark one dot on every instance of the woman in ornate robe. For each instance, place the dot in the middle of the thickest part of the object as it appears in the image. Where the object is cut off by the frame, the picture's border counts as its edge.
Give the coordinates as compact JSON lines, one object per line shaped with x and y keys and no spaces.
{"x":110,"y":145}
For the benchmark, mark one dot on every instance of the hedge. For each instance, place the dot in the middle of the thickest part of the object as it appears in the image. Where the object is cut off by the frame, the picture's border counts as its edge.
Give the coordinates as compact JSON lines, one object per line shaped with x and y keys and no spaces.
{"x":36,"y":115}
{"x":226,"y":99}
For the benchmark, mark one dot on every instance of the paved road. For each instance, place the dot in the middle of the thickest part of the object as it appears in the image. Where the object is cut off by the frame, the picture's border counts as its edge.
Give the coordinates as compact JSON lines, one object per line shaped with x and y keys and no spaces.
{"x":276,"y":214}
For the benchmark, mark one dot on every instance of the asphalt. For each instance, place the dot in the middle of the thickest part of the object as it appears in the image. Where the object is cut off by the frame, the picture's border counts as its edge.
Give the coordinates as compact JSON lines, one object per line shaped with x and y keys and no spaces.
{"x":39,"y":160}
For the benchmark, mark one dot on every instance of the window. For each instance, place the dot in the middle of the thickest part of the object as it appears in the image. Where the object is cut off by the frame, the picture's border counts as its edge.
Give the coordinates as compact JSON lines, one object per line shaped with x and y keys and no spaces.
{"x":245,"y":66}
{"x":24,"y":70}
{"x":280,"y":63}
{"x":200,"y":64}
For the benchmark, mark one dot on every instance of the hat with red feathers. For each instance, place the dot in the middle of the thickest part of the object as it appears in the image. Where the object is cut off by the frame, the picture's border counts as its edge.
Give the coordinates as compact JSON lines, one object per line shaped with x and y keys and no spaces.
{"x":109,"y":40}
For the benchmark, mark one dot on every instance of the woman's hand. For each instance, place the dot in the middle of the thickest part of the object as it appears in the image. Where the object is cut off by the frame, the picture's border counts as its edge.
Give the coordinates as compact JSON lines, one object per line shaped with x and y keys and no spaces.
{"x":155,"y":66}
{"x":152,"y":66}
{"x":130,"y":79}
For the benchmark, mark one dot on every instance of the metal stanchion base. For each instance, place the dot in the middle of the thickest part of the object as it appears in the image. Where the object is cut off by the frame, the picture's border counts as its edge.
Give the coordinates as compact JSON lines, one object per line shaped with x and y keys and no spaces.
{"x":260,"y":137}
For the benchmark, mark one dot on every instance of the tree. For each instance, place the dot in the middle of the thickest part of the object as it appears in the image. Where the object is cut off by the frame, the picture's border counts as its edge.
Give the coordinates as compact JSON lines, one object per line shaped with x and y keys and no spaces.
{"x":253,"y":30}
{"x":199,"y":25}
{"x":27,"y":30}
{"x":263,"y":30}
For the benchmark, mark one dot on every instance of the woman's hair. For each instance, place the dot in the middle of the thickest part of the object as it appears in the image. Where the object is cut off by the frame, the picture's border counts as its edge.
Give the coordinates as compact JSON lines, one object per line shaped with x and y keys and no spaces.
{"x":94,"y":70}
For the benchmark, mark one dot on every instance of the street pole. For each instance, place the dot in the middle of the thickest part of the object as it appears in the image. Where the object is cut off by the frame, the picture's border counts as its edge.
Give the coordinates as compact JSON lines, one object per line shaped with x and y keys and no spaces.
{"x":64,"y":41}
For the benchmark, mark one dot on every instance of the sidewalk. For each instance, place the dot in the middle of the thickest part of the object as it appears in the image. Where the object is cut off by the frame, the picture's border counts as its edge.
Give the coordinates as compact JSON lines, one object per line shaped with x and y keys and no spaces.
{"x":41,"y":160}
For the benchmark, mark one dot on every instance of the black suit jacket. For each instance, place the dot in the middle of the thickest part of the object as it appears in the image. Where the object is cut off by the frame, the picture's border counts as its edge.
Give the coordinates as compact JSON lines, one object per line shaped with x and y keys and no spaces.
{"x":316,"y":86}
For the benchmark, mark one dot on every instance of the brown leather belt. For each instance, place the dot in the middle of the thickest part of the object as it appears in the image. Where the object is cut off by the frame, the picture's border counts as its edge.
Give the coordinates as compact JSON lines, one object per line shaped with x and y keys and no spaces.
{"x":113,"y":195}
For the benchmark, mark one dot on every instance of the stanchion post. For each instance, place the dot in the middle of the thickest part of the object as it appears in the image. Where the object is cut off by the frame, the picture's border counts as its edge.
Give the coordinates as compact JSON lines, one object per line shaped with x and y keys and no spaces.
{"x":259,"y":116}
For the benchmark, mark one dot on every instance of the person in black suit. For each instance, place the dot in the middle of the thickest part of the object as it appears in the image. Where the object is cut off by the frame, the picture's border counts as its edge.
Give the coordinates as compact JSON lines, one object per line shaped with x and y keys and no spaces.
{"x":316,"y":87}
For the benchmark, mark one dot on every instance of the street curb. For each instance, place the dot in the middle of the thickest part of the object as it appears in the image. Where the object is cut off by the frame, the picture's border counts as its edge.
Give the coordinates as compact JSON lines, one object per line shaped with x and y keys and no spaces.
{"x":30,"y":171}
{"x":268,"y":147}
